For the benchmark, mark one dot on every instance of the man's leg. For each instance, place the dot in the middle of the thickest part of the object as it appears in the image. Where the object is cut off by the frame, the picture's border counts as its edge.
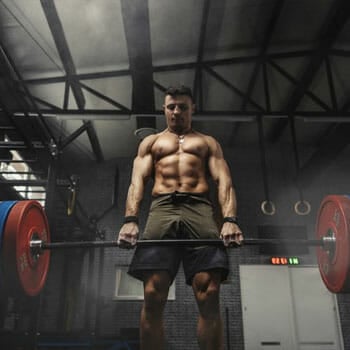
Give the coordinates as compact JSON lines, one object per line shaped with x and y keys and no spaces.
{"x":156,"y":288}
{"x":206,"y":287}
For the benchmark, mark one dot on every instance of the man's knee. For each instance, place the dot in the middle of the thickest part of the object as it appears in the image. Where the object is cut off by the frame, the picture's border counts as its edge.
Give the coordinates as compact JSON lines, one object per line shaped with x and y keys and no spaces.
{"x":156,"y":288}
{"x":206,"y":287}
{"x":208,"y":293}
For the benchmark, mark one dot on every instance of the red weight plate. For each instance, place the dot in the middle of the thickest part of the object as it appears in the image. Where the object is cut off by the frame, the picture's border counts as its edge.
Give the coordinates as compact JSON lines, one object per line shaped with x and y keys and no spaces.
{"x":24,"y":271}
{"x":334,"y":264}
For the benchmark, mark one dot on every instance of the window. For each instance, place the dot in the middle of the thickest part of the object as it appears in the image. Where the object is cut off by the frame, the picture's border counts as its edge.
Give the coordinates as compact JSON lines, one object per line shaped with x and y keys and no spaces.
{"x":19,"y":170}
{"x":129,"y":288}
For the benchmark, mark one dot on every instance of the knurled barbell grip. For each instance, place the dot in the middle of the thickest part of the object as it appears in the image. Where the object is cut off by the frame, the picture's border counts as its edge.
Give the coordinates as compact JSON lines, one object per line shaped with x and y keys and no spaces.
{"x":324,"y":242}
{"x":40,"y":245}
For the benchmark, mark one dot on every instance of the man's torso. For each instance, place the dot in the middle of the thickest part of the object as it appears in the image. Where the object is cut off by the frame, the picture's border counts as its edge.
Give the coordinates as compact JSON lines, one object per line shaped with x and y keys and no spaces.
{"x":180,"y":163}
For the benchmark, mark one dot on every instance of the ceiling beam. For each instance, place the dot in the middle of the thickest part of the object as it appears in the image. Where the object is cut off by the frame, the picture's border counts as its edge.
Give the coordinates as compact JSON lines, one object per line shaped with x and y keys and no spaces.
{"x":337,"y":138}
{"x":336,"y":19}
{"x":321,"y":116}
{"x":105,"y":98}
{"x":64,"y":143}
{"x":12,"y":98}
{"x":173,"y":67}
{"x":270,"y":28}
{"x":22,"y":96}
{"x":136,"y":22}
{"x":229,"y":85}
{"x":197,"y":85}
{"x":334,"y":24}
{"x":59,"y":37}
{"x":295,"y":82}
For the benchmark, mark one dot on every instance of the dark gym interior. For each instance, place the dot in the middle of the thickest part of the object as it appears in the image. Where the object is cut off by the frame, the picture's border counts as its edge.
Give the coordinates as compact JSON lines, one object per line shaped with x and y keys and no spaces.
{"x":82,"y":83}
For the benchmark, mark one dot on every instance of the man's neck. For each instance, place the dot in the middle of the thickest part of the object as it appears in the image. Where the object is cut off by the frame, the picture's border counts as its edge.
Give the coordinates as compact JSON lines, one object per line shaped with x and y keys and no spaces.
{"x":180,"y":131}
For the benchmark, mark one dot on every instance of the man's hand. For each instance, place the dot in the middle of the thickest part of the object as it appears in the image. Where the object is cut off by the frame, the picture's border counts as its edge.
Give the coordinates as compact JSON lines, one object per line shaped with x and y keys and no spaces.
{"x":231,"y":234}
{"x":128,"y":235}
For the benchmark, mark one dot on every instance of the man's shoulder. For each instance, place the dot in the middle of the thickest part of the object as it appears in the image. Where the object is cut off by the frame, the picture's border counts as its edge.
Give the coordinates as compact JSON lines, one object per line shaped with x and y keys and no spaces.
{"x":147,"y":143}
{"x":150,"y":139}
{"x":208,"y":138}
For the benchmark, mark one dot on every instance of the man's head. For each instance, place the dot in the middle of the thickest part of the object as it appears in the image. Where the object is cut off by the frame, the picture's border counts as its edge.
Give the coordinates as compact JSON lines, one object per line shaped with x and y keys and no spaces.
{"x":179,"y":90}
{"x":178,"y":108}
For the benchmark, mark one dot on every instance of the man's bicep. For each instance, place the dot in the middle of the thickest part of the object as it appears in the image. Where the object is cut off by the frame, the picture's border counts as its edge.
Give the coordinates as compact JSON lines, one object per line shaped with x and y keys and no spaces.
{"x":143,"y":163}
{"x":217,"y":164}
{"x":219,"y":170}
{"x":142,"y":167}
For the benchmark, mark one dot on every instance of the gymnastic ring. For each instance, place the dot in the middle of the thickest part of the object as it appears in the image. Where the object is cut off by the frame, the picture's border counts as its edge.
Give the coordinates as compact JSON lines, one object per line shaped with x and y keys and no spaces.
{"x":268,"y":207}
{"x":298,"y":207}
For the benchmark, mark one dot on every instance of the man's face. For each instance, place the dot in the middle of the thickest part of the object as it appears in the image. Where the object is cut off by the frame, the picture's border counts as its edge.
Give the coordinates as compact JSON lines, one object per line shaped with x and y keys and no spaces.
{"x":178,"y":112}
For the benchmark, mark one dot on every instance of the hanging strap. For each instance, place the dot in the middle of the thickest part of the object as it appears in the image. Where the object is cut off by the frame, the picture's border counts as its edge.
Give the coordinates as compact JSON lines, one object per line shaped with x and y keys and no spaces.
{"x":302,"y":206}
{"x":267,"y":206}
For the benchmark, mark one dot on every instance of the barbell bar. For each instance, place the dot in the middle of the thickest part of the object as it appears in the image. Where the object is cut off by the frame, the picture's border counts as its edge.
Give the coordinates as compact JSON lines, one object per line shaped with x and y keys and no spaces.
{"x":38,"y":245}
{"x":25,"y":244}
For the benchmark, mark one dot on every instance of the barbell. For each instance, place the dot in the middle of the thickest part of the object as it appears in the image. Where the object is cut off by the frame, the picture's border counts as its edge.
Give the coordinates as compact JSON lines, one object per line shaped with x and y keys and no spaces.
{"x":25,"y":244}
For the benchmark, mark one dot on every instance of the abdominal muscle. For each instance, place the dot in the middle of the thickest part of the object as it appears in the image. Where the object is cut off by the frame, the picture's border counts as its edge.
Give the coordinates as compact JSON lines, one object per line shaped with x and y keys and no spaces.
{"x":181,"y":172}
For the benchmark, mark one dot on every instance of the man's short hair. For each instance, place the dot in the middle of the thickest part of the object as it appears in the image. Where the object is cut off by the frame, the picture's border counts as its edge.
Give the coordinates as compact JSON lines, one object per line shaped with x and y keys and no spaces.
{"x":179,"y":90}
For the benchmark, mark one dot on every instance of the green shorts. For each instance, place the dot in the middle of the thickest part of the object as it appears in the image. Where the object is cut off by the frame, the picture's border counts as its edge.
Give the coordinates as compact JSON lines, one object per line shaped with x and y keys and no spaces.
{"x":180,"y":216}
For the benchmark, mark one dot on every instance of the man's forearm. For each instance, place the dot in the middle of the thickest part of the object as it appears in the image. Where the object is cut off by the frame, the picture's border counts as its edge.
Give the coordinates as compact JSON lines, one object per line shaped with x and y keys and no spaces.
{"x":133,"y":201}
{"x":227,"y":201}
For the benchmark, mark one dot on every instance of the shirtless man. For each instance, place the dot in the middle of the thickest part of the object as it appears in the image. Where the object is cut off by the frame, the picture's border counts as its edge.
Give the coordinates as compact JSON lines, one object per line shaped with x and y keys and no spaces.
{"x":180,"y":160}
